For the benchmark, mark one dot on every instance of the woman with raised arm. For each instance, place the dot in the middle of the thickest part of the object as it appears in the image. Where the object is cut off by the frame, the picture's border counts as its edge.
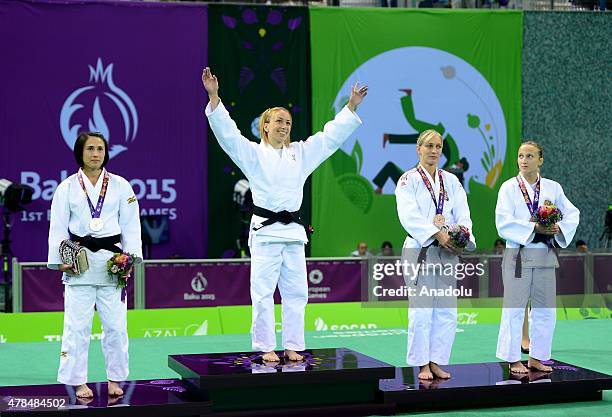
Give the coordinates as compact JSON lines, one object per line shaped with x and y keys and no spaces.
{"x":277,"y":169}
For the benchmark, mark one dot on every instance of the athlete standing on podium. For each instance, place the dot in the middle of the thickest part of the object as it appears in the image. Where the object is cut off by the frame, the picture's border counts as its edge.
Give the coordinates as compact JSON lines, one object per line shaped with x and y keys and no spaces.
{"x":277,"y":169}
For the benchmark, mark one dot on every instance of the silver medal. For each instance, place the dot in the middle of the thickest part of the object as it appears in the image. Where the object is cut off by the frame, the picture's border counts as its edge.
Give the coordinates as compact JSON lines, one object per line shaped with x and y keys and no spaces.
{"x":96,"y":225}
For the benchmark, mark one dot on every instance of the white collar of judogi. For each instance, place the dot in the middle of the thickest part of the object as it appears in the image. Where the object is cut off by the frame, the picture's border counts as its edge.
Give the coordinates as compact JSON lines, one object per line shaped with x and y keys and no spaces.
{"x":88,"y":185}
{"x":531,"y":187}
{"x":431,"y":180}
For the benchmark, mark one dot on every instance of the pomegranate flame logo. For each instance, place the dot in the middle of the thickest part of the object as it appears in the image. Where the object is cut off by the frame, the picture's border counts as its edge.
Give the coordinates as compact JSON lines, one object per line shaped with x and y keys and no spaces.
{"x":102,"y":107}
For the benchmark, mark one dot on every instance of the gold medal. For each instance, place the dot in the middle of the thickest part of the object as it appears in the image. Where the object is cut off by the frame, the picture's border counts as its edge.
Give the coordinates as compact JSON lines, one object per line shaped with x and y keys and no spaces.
{"x":438,"y":221}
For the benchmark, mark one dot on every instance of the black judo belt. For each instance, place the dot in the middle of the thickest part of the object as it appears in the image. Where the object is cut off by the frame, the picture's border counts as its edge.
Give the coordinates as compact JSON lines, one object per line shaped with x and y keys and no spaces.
{"x":94,"y":244}
{"x":538,"y":238}
{"x":423,"y":255}
{"x":284,"y":217}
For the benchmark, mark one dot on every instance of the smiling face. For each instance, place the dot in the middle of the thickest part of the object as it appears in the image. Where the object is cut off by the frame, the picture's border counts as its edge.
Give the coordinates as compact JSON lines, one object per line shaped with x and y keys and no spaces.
{"x":529,"y":160}
{"x":277,"y":127}
{"x":429,"y":148}
{"x":93,"y":153}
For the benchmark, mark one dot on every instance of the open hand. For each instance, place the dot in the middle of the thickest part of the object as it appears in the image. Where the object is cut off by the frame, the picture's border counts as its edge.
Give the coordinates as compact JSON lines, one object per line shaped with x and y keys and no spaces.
{"x":210,"y":82}
{"x":357,"y":95}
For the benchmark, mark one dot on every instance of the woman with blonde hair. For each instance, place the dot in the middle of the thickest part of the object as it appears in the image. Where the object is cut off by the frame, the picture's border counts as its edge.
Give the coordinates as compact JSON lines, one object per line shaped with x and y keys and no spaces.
{"x":528,"y":265}
{"x":277,"y":169}
{"x":428,"y":201}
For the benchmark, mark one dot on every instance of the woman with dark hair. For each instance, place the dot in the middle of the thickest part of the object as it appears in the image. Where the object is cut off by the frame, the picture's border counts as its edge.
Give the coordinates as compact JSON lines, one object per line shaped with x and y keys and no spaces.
{"x":528,"y":265}
{"x":277,"y":169}
{"x":110,"y":226}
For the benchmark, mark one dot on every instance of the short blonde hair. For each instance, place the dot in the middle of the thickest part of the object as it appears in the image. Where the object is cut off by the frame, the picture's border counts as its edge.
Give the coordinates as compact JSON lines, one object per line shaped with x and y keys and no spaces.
{"x":265,"y":118}
{"x":428,"y":135}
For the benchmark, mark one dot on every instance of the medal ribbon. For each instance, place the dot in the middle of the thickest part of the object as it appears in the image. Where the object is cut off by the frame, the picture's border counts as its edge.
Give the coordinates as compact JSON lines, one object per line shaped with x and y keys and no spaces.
{"x":97,"y":211}
{"x":440,"y":205}
{"x":532,"y":207}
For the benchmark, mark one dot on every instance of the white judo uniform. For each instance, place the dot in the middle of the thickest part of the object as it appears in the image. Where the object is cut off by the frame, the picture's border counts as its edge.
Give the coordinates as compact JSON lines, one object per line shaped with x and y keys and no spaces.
{"x":120,"y":215}
{"x":432,"y":320}
{"x":276,"y":178}
{"x":537,"y":281}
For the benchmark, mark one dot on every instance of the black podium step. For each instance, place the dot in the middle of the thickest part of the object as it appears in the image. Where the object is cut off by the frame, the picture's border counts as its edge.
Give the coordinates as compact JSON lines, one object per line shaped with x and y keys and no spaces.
{"x":492,"y":385}
{"x":243,"y":382}
{"x":142,"y":398}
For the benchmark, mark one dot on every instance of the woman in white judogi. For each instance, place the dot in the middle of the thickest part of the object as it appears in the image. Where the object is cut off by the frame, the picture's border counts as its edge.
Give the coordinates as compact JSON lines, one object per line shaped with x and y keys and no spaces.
{"x":530,"y":275}
{"x":113,"y":223}
{"x":432,"y":320}
{"x":277,"y":169}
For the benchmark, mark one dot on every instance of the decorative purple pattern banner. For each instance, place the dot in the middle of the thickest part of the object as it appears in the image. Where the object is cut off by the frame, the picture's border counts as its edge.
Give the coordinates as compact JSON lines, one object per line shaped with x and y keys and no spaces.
{"x":43,"y":290}
{"x":224,"y":284}
{"x":200,"y":285}
{"x":128,"y":70}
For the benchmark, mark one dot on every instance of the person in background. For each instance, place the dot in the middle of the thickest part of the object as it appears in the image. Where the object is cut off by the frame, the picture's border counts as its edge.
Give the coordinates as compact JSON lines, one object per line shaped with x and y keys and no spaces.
{"x":581,"y":246}
{"x":499,"y":246}
{"x":361,"y":251}
{"x":386,"y":249}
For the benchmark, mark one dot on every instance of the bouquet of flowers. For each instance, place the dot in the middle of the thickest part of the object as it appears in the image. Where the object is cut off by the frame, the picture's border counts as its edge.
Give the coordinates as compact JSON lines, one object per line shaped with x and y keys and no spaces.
{"x":459,"y":235}
{"x":120,"y":266}
{"x":548,"y":214}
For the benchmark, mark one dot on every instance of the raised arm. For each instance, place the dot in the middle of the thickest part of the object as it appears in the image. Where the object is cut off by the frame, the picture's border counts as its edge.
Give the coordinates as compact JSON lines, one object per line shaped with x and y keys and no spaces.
{"x":322,"y":145}
{"x":211,"y":85}
{"x":241,"y":150}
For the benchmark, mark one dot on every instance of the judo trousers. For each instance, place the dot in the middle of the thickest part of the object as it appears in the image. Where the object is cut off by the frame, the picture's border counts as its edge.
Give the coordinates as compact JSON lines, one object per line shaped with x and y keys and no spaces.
{"x":432,"y":320}
{"x":539,"y":285}
{"x":79,"y":302}
{"x":282,"y":264}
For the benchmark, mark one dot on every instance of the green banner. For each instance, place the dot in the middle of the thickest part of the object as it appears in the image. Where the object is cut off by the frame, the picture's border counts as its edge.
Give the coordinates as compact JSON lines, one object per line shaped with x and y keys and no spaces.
{"x":458,"y":72}
{"x":320,"y":317}
{"x":351,"y":316}
{"x":261,"y":58}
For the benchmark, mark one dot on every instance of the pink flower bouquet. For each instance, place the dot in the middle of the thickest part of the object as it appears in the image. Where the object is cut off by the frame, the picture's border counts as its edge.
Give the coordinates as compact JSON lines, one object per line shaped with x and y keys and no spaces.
{"x":459,"y":235}
{"x":120,"y":266}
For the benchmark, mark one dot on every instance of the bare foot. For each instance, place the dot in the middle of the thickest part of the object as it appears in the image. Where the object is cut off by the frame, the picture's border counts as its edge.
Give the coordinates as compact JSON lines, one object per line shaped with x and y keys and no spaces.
{"x":83,"y":391}
{"x":114,"y":390}
{"x":438,"y":372}
{"x":533,"y":363}
{"x":270,"y":357}
{"x":292,"y":355}
{"x":425,"y":372}
{"x":518,"y":368}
